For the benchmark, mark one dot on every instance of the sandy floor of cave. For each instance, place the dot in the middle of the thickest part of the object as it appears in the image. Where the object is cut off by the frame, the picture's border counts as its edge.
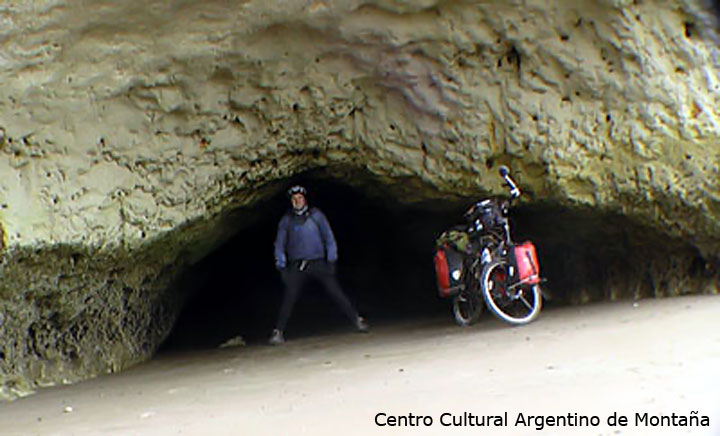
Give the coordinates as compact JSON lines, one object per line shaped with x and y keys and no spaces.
{"x":662,"y":356}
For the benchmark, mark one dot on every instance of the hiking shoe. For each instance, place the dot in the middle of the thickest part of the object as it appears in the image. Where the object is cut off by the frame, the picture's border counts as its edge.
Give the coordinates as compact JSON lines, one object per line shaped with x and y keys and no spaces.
{"x":361,"y":325}
{"x":277,"y":338}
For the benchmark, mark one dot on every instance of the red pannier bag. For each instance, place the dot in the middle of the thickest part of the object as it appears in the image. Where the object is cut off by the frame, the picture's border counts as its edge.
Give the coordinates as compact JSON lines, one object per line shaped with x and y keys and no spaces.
{"x":448,"y":270}
{"x":442,"y":272}
{"x":525,"y":260}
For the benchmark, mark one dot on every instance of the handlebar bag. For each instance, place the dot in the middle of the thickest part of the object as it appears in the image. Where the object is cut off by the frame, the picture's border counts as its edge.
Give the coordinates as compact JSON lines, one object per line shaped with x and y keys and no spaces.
{"x":485,"y":215}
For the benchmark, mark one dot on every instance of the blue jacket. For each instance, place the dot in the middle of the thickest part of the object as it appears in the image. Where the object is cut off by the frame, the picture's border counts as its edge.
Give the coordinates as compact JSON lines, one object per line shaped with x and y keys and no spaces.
{"x":306,"y":236}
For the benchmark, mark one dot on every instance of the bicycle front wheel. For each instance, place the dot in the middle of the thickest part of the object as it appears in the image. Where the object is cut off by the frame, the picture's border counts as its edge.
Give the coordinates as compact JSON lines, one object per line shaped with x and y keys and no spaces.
{"x":515,"y":305}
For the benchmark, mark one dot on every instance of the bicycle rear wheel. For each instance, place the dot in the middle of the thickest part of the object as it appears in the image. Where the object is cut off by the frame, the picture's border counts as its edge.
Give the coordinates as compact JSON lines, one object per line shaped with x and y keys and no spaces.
{"x":467,"y":307}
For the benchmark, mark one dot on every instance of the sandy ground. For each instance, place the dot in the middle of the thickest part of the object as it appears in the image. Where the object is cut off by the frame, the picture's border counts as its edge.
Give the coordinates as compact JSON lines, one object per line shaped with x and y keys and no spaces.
{"x":661,"y":357}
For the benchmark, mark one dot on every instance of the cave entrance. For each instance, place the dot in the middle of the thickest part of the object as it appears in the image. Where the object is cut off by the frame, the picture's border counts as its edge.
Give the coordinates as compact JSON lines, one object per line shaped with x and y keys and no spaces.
{"x":386,"y":249}
{"x":385,"y":268}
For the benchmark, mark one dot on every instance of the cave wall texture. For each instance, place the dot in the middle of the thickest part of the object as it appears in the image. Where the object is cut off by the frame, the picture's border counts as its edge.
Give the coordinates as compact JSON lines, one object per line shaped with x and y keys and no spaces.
{"x":128,"y":130}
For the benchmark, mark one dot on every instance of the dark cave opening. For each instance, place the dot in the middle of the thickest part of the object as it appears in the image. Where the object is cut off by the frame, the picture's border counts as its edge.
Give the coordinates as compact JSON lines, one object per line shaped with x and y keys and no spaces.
{"x":385,"y":265}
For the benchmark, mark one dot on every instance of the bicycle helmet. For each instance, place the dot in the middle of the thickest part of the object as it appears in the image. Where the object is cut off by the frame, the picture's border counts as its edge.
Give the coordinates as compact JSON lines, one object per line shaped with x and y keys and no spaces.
{"x":297,"y":189}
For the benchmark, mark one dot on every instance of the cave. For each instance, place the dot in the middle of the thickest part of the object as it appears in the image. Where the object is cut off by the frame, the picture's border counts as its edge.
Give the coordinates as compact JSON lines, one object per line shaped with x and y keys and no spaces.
{"x":386,"y":249}
{"x":385,"y":268}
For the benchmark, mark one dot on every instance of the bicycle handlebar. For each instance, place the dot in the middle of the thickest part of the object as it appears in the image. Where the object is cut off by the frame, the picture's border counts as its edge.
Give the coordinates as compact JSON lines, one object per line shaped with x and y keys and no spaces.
{"x":505,"y":174}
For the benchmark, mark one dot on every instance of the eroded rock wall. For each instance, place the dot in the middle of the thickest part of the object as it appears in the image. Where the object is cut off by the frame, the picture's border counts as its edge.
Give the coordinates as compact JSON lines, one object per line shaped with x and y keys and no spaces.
{"x":133,"y":127}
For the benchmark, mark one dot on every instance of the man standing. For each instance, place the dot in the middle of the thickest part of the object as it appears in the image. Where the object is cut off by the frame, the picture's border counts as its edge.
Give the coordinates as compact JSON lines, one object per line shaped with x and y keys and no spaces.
{"x":305,"y":249}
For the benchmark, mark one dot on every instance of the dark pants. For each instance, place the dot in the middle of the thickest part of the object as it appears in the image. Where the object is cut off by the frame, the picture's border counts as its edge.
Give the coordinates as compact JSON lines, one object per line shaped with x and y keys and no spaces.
{"x":294,"y":280}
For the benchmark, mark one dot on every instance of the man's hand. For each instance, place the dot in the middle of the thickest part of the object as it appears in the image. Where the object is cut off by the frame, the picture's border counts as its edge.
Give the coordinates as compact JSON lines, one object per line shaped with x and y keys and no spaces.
{"x":331,"y":267}
{"x":280,"y":266}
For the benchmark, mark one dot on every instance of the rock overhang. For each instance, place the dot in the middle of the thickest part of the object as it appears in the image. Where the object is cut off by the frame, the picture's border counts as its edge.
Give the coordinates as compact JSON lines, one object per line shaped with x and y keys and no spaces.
{"x":129,"y":133}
